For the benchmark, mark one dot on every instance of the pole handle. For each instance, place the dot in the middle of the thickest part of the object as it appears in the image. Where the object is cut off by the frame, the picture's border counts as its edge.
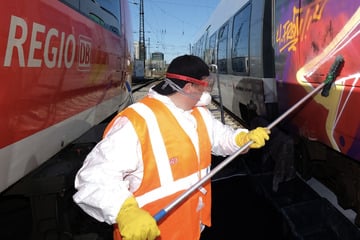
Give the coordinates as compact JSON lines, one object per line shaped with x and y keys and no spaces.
{"x":160,"y":215}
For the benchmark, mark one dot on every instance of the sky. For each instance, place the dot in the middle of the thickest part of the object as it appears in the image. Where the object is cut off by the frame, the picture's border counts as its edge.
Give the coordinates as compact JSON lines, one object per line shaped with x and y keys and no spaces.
{"x":170,"y":26}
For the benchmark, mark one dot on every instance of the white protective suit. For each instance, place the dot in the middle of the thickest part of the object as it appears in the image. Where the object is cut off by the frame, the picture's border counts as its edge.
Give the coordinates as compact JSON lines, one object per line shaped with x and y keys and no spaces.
{"x":114,"y":167}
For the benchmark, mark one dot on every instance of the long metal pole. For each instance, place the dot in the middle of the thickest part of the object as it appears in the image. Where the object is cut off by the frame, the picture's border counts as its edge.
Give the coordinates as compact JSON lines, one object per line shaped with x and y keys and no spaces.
{"x":334,"y":71}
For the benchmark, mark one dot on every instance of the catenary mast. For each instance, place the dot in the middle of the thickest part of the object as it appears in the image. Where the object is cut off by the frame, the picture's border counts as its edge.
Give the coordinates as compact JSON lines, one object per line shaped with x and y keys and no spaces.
{"x":142,"y":51}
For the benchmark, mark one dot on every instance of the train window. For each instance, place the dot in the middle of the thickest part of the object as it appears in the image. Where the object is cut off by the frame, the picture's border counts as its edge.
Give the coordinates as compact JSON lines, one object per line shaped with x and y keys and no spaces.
{"x":222,"y":48}
{"x":97,"y":19}
{"x":240,"y":36}
{"x":112,"y":7}
{"x":195,"y":50}
{"x":201,"y":47}
{"x":75,"y":4}
{"x":211,"y":51}
{"x":104,"y":12}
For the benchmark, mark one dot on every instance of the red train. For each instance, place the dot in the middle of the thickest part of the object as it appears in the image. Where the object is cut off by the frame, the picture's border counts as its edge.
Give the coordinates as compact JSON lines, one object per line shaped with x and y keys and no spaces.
{"x":63,"y":69}
{"x":270,"y":54}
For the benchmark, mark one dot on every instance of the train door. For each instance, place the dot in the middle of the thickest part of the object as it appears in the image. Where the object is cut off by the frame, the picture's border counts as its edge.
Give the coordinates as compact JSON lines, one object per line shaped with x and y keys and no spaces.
{"x":252,"y":63}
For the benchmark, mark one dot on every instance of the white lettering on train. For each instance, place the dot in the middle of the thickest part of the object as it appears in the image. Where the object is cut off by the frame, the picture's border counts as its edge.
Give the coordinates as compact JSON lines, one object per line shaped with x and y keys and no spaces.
{"x":70,"y":41}
{"x":34,"y":44}
{"x":57,"y":49}
{"x":84,"y":53}
{"x":16,"y":42}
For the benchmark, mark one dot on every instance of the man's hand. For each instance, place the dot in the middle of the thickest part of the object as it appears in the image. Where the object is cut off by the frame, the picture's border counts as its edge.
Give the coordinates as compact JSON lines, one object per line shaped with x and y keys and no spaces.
{"x":135,"y":223}
{"x":258,"y":136}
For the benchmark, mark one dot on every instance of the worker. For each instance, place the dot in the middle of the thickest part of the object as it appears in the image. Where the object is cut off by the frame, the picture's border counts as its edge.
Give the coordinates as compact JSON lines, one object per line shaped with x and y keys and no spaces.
{"x":156,"y":149}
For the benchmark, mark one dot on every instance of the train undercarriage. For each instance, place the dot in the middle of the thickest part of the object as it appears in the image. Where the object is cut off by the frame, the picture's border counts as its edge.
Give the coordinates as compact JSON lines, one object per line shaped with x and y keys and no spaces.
{"x":337,"y":172}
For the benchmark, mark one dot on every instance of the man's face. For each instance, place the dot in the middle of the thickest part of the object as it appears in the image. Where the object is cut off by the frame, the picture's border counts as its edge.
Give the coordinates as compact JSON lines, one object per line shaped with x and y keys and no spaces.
{"x":197,"y":90}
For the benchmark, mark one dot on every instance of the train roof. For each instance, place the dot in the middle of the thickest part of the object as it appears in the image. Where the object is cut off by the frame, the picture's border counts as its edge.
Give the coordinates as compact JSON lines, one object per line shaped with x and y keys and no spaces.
{"x":224,"y":10}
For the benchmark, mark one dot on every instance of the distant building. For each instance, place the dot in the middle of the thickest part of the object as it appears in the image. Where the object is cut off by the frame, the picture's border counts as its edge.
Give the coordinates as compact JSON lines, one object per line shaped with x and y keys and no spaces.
{"x":157,"y":56}
{"x":136,"y":50}
{"x":139,"y":68}
{"x":155,"y":66}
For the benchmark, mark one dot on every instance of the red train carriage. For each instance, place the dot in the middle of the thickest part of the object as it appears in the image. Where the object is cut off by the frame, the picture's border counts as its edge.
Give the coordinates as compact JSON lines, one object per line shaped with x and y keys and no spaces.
{"x":63,"y":70}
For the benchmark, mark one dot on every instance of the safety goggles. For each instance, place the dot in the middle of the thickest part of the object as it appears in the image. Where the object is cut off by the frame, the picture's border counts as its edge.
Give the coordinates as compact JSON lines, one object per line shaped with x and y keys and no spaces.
{"x":207,"y":82}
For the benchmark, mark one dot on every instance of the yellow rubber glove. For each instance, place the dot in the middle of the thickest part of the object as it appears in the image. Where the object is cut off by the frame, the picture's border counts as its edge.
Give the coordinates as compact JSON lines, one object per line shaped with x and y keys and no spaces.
{"x":135,"y":223}
{"x":258,"y":136}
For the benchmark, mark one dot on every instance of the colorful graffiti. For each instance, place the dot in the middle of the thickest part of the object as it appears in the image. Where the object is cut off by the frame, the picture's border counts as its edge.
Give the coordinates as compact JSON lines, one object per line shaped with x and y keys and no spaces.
{"x":315,"y":34}
{"x":292,"y":31}
{"x":336,"y":104}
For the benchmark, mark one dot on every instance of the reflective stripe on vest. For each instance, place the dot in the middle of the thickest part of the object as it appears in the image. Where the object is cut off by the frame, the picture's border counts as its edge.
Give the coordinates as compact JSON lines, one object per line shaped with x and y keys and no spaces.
{"x":168,"y":150}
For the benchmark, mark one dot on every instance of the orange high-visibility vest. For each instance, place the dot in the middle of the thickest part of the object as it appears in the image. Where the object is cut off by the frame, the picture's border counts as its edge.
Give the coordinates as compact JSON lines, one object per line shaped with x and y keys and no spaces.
{"x":165,"y":178}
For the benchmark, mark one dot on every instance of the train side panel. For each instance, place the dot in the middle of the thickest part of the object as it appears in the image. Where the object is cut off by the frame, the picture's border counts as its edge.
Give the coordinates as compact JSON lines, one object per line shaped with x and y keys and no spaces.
{"x":309,"y":35}
{"x":270,"y":54}
{"x":308,"y":38}
{"x":63,"y":71}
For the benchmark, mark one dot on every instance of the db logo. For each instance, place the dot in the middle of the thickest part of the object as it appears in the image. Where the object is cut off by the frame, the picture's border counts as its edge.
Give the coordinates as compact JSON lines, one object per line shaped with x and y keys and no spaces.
{"x":84,"y":53}
{"x":173,"y":161}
